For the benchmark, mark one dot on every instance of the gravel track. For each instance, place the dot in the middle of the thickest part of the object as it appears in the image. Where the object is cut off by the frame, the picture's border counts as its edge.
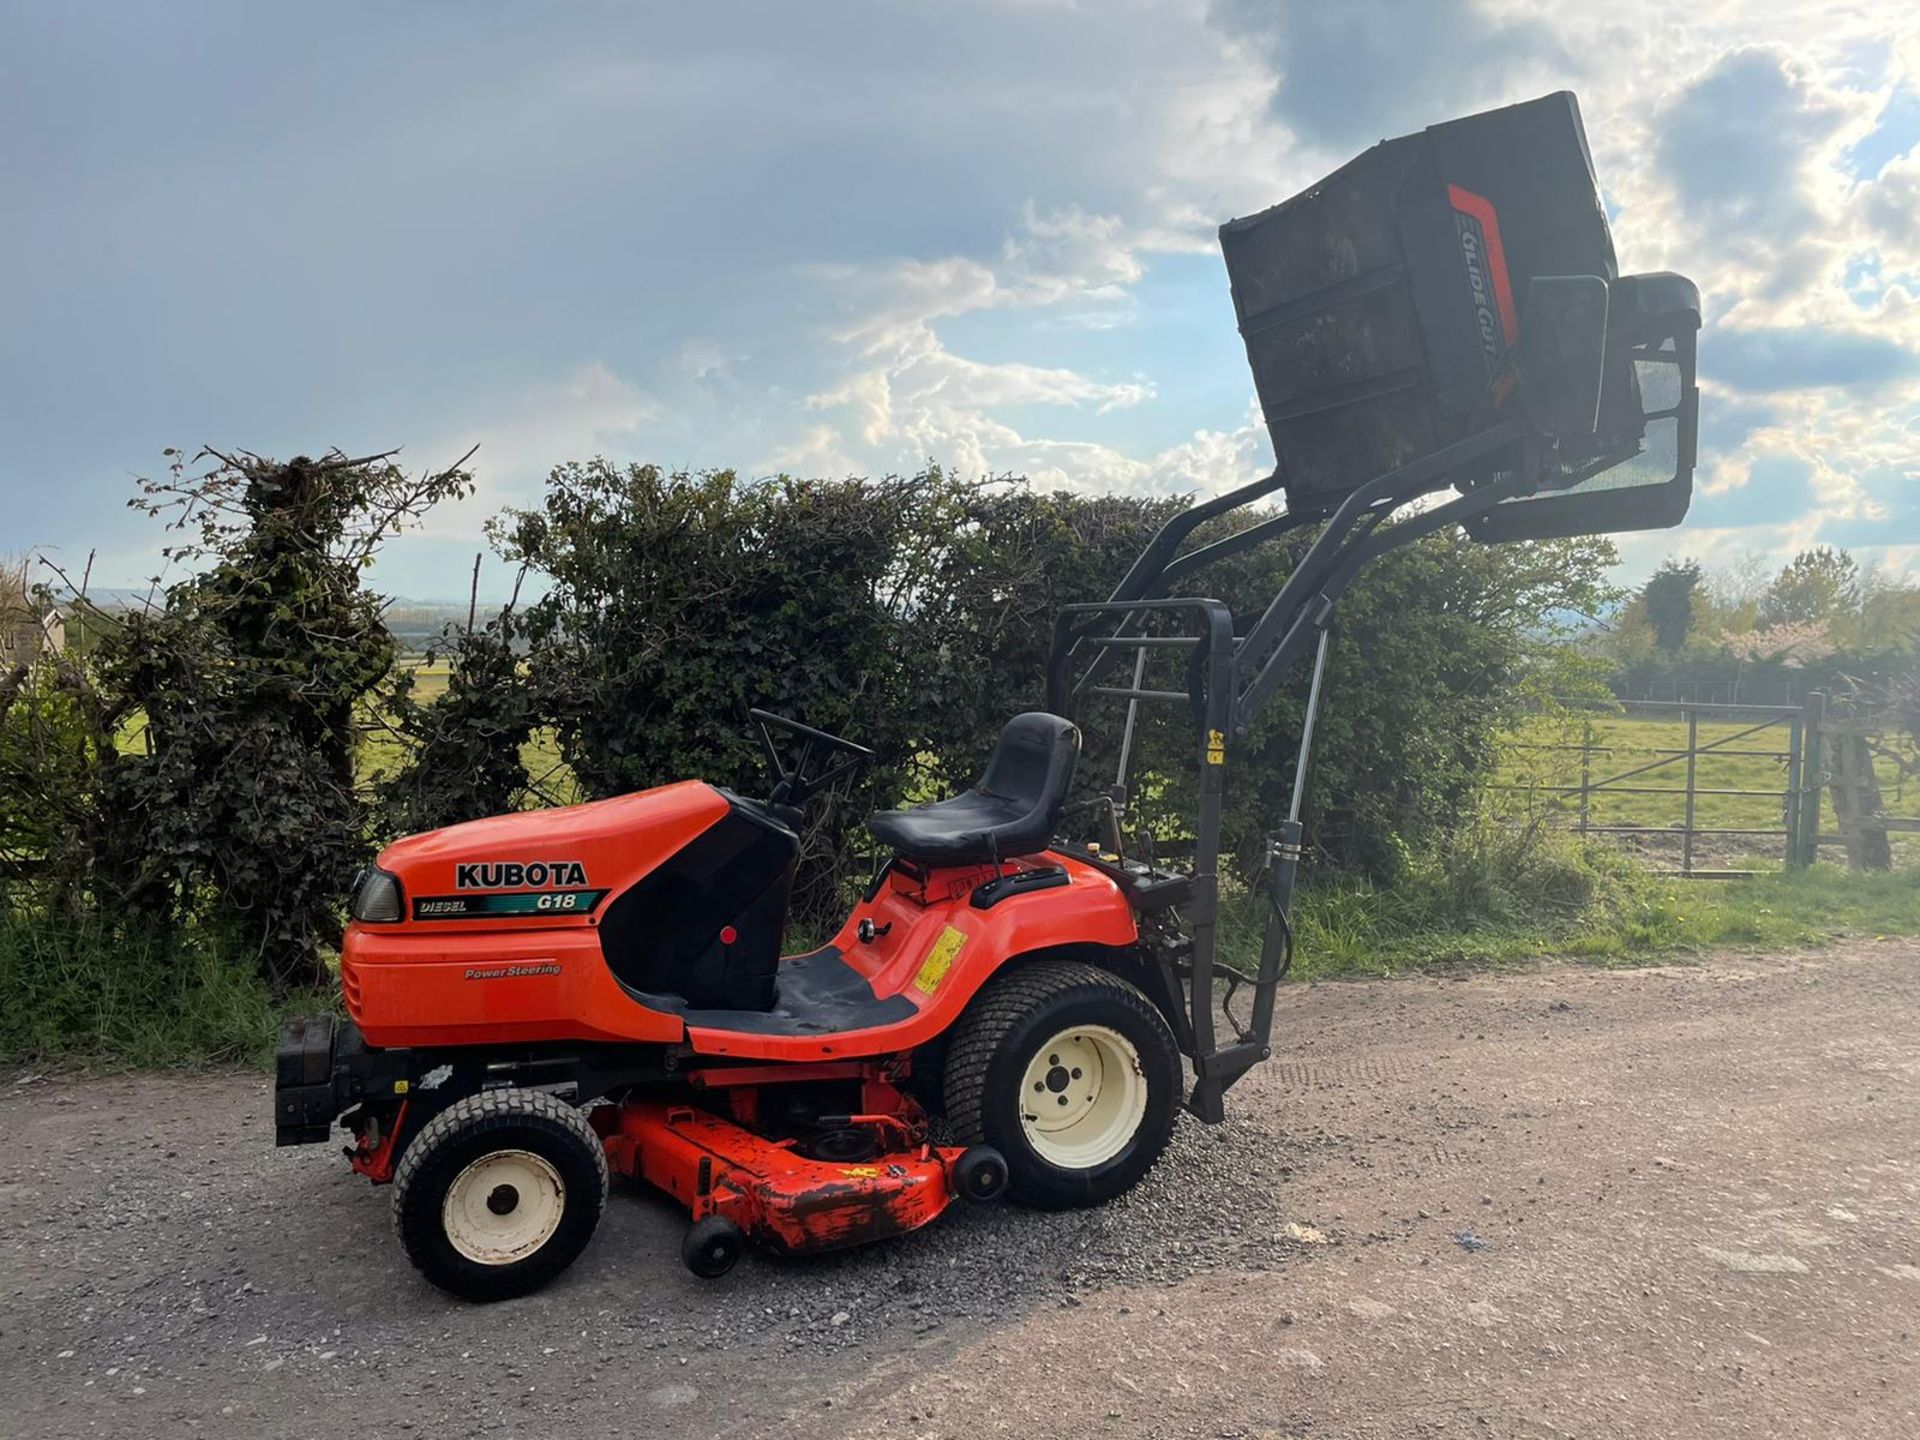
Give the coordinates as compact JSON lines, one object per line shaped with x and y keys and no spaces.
{"x":1660,"y":1202}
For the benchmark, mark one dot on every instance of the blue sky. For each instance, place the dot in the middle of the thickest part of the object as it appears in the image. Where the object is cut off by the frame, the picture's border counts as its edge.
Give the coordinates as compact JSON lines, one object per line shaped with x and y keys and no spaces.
{"x":844,"y":238}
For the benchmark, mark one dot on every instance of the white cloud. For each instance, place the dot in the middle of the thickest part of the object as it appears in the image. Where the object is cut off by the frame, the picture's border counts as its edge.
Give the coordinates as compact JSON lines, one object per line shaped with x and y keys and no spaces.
{"x":848,"y":239}
{"x":1721,"y":138}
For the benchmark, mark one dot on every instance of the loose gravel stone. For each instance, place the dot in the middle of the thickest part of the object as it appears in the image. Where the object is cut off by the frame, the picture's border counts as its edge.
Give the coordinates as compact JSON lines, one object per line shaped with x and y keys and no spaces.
{"x":165,"y":1271}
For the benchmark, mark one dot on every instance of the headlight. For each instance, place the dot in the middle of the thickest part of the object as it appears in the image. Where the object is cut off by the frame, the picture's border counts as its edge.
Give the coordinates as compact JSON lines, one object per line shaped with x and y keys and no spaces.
{"x":376,"y":898}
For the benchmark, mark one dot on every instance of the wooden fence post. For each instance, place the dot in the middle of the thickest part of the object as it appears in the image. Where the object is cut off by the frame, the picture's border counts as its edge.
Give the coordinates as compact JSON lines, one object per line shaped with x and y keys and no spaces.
{"x":1856,"y":800}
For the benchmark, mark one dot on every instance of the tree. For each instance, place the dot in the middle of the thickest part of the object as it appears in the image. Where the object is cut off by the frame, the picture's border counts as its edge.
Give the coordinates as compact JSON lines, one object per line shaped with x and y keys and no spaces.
{"x":1889,"y":612}
{"x":1817,"y":586}
{"x":1669,"y":598}
{"x":250,"y":679}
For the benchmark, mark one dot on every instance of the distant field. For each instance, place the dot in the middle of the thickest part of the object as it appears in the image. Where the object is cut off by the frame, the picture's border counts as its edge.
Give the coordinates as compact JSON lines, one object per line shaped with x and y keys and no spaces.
{"x":1544,"y":753}
{"x":380,"y":751}
{"x":1547,"y":753}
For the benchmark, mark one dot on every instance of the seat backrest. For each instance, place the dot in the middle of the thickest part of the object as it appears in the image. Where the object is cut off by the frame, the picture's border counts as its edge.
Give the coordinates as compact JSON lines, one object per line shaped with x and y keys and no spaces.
{"x":1033,"y":763}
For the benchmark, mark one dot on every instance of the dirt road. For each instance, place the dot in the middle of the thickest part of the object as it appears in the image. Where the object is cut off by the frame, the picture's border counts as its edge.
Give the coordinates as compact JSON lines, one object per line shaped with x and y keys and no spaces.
{"x":1671,"y":1202}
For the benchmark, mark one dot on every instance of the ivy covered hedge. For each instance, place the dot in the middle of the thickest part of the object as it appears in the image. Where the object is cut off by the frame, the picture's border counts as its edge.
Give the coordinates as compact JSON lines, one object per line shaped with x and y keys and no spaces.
{"x":194,"y":770}
{"x":915,"y":615}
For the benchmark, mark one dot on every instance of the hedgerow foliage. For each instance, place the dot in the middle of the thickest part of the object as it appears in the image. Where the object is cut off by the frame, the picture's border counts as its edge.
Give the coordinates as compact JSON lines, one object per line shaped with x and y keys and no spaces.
{"x":193,"y":784}
{"x":911,"y":614}
{"x":915,"y":615}
{"x":463,"y":747}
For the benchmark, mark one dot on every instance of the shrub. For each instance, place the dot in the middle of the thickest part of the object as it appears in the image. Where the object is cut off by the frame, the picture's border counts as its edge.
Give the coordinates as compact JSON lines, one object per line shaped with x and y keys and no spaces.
{"x":85,"y":986}
{"x":916,"y":615}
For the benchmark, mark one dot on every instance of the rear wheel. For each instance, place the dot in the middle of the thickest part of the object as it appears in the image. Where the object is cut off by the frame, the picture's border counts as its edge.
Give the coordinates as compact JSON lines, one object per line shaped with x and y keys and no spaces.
{"x":499,"y":1193}
{"x":1071,"y":1074}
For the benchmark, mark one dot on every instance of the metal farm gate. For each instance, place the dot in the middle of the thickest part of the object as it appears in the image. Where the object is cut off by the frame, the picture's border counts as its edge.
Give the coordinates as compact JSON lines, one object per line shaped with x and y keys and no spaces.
{"x":1775,"y":733}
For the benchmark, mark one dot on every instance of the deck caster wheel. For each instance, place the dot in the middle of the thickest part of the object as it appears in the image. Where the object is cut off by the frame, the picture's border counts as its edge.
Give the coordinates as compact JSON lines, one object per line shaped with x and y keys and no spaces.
{"x":713,"y":1246}
{"x":499,"y":1193}
{"x":980,"y":1175}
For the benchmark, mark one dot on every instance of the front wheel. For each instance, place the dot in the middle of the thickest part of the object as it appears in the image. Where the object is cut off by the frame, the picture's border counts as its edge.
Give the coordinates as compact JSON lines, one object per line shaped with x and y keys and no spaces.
{"x":499,"y":1193}
{"x":1071,"y":1074}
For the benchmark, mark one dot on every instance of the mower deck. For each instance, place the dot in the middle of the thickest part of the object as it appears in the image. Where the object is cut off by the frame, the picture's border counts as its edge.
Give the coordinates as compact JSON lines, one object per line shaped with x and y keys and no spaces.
{"x":733,"y":1180}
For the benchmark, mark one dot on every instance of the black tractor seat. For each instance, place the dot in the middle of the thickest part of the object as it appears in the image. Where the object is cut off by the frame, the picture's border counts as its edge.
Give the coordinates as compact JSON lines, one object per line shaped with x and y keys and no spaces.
{"x":1014,"y":810}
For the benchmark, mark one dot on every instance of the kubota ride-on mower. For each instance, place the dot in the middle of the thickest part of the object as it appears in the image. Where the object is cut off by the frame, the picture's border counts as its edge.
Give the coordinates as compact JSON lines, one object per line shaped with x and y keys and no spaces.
{"x":1439,"y":336}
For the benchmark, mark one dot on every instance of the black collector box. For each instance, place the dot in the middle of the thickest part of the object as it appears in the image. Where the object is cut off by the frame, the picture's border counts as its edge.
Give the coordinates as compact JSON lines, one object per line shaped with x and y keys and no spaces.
{"x":1381,"y":306}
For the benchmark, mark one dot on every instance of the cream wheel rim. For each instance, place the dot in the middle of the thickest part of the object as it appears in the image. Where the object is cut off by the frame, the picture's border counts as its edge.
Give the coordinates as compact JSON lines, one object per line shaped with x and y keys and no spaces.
{"x":1083,"y":1096}
{"x":503,"y":1207}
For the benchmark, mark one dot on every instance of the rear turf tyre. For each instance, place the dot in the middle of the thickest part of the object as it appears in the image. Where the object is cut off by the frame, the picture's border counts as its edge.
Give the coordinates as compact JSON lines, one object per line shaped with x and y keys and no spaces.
{"x":1071,"y":1074}
{"x":499,"y":1193}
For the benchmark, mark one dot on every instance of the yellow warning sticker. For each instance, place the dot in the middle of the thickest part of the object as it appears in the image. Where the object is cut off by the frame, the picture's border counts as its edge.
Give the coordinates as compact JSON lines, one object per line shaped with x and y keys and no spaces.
{"x":861,"y":1172}
{"x":939,"y":960}
{"x":1216,"y":748}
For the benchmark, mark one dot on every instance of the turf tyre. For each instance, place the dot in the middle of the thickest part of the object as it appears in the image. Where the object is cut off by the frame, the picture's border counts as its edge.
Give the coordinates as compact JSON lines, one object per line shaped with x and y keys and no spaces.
{"x":991,"y":1065}
{"x":526,"y":1133}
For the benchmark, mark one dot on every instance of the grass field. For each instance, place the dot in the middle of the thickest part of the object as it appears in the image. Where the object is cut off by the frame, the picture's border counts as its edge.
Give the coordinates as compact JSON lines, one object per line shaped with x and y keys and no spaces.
{"x":1346,"y":930}
{"x":1734,"y":757}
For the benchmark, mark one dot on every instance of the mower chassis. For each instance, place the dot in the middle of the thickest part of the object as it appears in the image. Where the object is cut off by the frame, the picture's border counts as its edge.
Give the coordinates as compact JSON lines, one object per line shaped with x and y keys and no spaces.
{"x":866,"y":1175}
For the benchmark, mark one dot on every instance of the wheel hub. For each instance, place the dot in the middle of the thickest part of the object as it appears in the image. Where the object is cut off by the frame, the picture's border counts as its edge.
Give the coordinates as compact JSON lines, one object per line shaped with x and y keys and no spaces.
{"x":503,"y":1207}
{"x":1083,"y":1096}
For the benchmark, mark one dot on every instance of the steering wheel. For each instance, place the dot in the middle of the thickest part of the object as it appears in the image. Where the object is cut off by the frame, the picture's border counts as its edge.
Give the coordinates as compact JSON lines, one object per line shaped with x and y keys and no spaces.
{"x":797,"y":785}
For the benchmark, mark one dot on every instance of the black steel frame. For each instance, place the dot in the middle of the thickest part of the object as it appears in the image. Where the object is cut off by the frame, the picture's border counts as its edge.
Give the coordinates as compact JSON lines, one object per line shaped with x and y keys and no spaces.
{"x":1231,"y":676}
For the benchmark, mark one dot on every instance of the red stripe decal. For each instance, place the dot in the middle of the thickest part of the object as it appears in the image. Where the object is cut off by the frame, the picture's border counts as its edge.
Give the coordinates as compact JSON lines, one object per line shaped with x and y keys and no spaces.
{"x":1481,"y":209}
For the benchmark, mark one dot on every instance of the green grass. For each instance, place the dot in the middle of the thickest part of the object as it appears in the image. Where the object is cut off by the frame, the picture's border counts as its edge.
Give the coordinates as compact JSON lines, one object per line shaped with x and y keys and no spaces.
{"x":1546,"y":754}
{"x":75,"y":991}
{"x":1348,"y":930}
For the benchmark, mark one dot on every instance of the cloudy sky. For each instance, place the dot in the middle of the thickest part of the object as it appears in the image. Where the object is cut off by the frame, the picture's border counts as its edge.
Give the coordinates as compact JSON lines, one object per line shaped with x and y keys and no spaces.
{"x":842,"y":238}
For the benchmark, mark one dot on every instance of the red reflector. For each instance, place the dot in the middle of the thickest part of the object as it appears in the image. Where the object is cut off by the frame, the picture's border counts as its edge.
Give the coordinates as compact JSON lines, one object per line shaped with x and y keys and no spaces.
{"x":728,"y":935}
